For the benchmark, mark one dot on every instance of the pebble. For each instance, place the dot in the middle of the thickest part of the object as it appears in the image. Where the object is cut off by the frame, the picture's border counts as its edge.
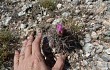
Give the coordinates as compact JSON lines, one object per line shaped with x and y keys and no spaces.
{"x":15,"y":0}
{"x":87,"y":38}
{"x":84,"y":63}
{"x":93,"y":52}
{"x":77,"y":11}
{"x":88,"y":47}
{"x":75,"y":2}
{"x":59,"y":5}
{"x":69,"y":0}
{"x":65,"y":14}
{"x":22,"y":26}
{"x":50,"y":20}
{"x":102,"y":65}
{"x":105,"y":57}
{"x":99,"y":49}
{"x":21,"y":13}
{"x":108,"y":51}
{"x":26,"y":6}
{"x":107,"y":33}
{"x":94,"y":35}
{"x":6,"y":21}
{"x":56,"y":21}
{"x":109,"y":65}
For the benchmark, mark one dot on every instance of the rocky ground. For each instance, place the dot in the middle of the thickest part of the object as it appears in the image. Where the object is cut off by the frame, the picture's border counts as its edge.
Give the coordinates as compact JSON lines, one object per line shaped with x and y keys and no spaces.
{"x":79,"y":28}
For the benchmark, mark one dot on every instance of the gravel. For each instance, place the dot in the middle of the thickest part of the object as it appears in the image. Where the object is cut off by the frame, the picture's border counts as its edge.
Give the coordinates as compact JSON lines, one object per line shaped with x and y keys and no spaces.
{"x":25,"y":16}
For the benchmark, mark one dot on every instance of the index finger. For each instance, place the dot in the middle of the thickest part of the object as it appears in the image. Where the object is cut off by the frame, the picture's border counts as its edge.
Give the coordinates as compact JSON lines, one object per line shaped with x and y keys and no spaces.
{"x":36,"y":45}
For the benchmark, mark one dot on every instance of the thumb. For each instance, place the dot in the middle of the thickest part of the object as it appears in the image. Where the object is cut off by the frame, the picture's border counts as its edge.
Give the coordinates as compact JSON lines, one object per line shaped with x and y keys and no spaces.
{"x":59,"y":63}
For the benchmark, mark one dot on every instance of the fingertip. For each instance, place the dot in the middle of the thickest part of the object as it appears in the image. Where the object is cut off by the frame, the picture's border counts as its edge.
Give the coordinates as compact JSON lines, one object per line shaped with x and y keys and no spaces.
{"x":60,"y":62}
{"x":39,"y":35}
{"x":16,"y":52}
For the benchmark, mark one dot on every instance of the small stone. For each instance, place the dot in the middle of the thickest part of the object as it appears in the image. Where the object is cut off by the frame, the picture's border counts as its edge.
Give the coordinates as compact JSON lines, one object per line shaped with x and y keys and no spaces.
{"x":76,"y":2}
{"x":56,"y":21}
{"x":15,"y":1}
{"x":101,"y":65}
{"x":22,"y":26}
{"x":21,"y":13}
{"x":50,"y":20}
{"x":82,"y":42}
{"x":109,"y":65}
{"x":69,"y":57}
{"x":84,"y":63}
{"x":87,"y":54}
{"x":106,"y":22}
{"x":87,"y":38}
{"x":105,"y":57}
{"x":77,"y":11}
{"x":102,"y":8}
{"x":45,"y":13}
{"x":26,"y":6}
{"x":65,"y":14}
{"x":88,"y":47}
{"x":94,"y":35}
{"x":99,"y":49}
{"x":68,"y":0}
{"x":93,"y":52}
{"x":6,"y":21}
{"x":39,"y":18}
{"x":107,"y":33}
{"x":89,"y":2}
{"x":59,"y":6}
{"x":108,"y":51}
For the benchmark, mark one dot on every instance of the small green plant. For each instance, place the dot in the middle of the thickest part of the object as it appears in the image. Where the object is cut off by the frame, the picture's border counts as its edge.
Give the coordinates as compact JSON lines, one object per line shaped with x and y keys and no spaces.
{"x":5,"y":36}
{"x":49,"y":4}
{"x":6,"y":47}
{"x":73,"y":26}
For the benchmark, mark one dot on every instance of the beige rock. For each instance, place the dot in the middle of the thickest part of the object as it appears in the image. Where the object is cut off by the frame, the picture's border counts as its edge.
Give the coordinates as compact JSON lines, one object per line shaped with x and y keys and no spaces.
{"x":50,"y":20}
{"x":102,"y":8}
{"x":106,"y":22}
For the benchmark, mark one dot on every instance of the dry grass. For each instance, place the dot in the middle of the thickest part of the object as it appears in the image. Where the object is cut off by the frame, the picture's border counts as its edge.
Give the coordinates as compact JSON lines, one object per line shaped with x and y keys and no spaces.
{"x":49,"y":4}
{"x":7,"y":46}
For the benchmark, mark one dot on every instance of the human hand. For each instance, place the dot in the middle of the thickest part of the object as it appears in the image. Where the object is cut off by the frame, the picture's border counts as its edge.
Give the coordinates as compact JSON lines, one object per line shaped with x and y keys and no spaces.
{"x":30,"y":57}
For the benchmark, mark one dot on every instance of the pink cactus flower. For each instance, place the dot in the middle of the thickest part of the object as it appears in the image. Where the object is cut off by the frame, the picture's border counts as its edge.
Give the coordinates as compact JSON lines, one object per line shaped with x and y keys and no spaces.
{"x":60,"y":29}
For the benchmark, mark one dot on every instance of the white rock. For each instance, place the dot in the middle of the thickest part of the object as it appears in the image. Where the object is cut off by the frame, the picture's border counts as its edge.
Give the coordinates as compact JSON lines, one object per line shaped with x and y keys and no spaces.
{"x":26,"y":6}
{"x":68,"y":0}
{"x":59,"y":6}
{"x":88,"y":35}
{"x":87,"y":38}
{"x":56,"y":21}
{"x":107,"y":51}
{"x":21,"y":13}
{"x":22,"y":26}
{"x":89,"y":0}
{"x":75,"y":2}
{"x":88,"y":47}
{"x":65,"y":14}
{"x":87,"y":54}
{"x":39,"y":19}
{"x":77,"y":11}
{"x":94,"y":35}
{"x":45,"y":13}
{"x":84,"y":63}
{"x":14,"y":0}
{"x":6,"y":20}
{"x":49,"y":20}
{"x":99,"y":48}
